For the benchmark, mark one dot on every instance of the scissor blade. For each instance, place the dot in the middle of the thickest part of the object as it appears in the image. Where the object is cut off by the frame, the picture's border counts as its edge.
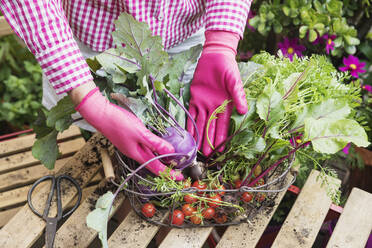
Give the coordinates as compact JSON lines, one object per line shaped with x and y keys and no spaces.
{"x":51,"y":228}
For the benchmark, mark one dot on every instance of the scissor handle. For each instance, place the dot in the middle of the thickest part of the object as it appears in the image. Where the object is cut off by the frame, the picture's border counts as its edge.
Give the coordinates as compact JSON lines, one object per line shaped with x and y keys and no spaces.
{"x":51,"y":193}
{"x":77,"y":186}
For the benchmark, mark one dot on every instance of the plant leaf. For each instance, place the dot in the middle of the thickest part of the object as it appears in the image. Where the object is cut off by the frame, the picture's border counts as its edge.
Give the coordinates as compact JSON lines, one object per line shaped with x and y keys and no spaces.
{"x":328,"y":135}
{"x":139,"y":43}
{"x":64,"y":107}
{"x":270,"y":105}
{"x":46,"y":150}
{"x":98,"y":218}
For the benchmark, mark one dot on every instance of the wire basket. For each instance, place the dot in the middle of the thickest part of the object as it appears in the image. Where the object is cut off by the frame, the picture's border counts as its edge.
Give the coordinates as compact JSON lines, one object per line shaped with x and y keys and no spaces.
{"x":263,"y":196}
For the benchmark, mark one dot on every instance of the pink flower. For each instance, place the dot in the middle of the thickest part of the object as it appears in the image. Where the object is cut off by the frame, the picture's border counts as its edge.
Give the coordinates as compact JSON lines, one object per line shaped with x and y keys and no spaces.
{"x":353,"y":65}
{"x":330,"y":45}
{"x":346,"y":148}
{"x":244,"y":56}
{"x":291,"y":47}
{"x":367,"y":87}
{"x":251,"y":14}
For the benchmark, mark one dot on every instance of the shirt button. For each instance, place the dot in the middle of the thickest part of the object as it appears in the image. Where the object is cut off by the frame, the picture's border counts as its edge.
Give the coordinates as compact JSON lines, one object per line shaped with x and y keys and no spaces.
{"x":161,"y":16}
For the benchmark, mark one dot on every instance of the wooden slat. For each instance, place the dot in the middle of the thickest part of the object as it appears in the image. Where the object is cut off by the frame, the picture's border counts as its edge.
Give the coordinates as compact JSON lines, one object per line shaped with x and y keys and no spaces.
{"x":186,"y":238}
{"x":248,"y":234}
{"x":133,"y":232}
{"x":25,"y":159}
{"x":19,"y":196}
{"x":25,"y":143}
{"x":6,"y":215}
{"x":306,"y":216}
{"x":29,"y":175}
{"x":74,"y":232}
{"x":26,"y":227}
{"x":355,"y":223}
{"x":5,"y":29}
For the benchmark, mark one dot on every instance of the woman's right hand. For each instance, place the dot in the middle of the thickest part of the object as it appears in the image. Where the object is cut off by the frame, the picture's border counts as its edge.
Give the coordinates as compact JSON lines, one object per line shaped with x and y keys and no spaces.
{"x":121,"y":127}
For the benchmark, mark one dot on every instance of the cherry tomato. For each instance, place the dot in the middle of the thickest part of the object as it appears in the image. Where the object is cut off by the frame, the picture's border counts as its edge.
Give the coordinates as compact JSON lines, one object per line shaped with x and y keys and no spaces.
{"x":220,"y":187}
{"x":215,"y":200}
{"x":190,"y":198}
{"x":257,"y":171}
{"x":196,"y":219}
{"x":220,"y":218}
{"x":208,"y":213}
{"x":148,"y":210}
{"x":246,"y":197}
{"x":238,"y":183}
{"x":260,"y":197}
{"x":188,"y":210}
{"x":178,"y":217}
{"x":260,"y":182}
{"x":200,"y":186}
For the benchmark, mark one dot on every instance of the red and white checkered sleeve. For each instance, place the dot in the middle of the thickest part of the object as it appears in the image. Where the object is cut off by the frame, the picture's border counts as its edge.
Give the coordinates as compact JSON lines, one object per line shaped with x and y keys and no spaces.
{"x":227,"y":15}
{"x":42,"y":25}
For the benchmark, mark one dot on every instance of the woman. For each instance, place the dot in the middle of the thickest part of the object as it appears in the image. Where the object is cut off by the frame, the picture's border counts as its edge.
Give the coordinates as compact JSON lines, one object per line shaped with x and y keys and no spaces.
{"x":52,"y":30}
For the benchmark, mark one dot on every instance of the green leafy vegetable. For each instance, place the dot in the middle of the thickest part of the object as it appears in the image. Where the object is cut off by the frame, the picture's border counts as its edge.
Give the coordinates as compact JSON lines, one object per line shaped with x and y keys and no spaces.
{"x":98,"y":218}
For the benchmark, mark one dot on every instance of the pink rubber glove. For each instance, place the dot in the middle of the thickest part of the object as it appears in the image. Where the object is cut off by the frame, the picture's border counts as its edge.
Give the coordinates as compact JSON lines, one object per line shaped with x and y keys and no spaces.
{"x":125,"y":131}
{"x":216,"y":79}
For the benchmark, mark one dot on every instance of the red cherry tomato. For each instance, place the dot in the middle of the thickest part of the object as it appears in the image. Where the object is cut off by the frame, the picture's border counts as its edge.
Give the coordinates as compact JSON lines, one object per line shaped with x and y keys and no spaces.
{"x":238,"y":183}
{"x":178,"y":217}
{"x":215,"y":200}
{"x":260,"y":182}
{"x":246,"y":197}
{"x":190,"y":198}
{"x":188,"y":210}
{"x":220,"y":218}
{"x":220,"y":187}
{"x":200,"y":186}
{"x":260,"y":197}
{"x":196,"y":219}
{"x":148,"y":210}
{"x":208,"y":213}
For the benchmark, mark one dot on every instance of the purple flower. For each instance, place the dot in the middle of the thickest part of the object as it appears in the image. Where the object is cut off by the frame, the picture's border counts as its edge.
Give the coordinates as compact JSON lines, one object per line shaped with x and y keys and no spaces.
{"x":330,"y":45}
{"x":367,"y":87}
{"x":353,"y":65}
{"x":289,"y":47}
{"x":251,"y":14}
{"x":346,"y":148}
{"x":244,"y":56}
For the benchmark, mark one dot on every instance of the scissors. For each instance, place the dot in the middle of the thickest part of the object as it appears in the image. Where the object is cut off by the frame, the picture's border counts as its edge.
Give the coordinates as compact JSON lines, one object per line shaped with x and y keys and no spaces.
{"x":51,"y":222}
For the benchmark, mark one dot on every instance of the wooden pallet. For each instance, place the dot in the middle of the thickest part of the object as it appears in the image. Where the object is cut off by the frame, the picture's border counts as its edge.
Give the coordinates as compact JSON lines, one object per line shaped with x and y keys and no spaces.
{"x":299,"y":230}
{"x":19,"y":169}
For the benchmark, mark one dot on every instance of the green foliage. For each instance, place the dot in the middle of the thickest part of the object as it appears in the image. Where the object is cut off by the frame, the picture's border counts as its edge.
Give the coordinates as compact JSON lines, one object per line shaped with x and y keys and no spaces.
{"x":97,"y":219}
{"x":309,"y":19}
{"x":20,"y":83}
{"x":47,"y":126}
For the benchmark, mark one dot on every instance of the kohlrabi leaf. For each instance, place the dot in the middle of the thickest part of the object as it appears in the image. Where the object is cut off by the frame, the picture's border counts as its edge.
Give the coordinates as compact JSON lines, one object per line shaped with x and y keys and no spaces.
{"x":98,"y":218}
{"x":46,"y":150}
{"x":329,"y":135}
{"x":114,"y":62}
{"x":179,"y":63}
{"x":135,"y":40}
{"x":65,"y":107}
